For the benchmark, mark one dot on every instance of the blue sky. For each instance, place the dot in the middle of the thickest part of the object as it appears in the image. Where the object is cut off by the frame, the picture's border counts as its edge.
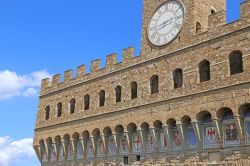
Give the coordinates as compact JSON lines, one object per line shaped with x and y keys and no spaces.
{"x":43,"y":37}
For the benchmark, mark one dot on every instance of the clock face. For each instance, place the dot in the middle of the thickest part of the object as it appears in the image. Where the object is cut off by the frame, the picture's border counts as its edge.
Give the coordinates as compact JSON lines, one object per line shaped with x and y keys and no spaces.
{"x":166,"y":23}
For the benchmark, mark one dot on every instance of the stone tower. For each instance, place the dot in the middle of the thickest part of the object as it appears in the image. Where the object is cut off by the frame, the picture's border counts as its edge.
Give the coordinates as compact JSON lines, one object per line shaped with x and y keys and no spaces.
{"x":197,"y":13}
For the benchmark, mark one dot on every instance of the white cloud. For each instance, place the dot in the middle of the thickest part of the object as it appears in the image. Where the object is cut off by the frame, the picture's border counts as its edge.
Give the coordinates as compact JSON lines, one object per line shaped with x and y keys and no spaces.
{"x":12,"y":84}
{"x":14,"y":151}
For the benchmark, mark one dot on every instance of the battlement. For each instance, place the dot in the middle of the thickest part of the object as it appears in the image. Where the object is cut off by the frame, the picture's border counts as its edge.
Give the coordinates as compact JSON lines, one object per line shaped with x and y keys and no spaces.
{"x":217,"y":26}
{"x":111,"y":65}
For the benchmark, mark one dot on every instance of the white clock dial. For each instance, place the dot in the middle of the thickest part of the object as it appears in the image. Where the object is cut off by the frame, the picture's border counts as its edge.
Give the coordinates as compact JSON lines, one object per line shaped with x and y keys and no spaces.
{"x":166,"y":23}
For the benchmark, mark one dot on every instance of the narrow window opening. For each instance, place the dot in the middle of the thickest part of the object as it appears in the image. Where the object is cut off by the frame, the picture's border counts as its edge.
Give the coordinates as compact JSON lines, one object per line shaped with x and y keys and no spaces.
{"x":134,"y":90}
{"x":59,"y":109}
{"x":204,"y":70}
{"x":178,"y":78}
{"x":72,"y":106}
{"x":118,"y":94}
{"x":86,"y":102}
{"x":154,"y":84}
{"x":198,"y":27}
{"x":47,"y":112}
{"x":101,"y":98}
{"x":236,"y":62}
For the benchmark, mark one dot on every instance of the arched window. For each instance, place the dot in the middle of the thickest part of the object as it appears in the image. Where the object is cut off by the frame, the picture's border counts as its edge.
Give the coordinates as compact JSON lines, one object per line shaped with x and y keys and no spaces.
{"x":204,"y":70}
{"x":154,"y":84}
{"x":198,"y":27}
{"x":230,"y":131}
{"x":133,"y":90}
{"x":101,"y":98}
{"x":209,"y":131}
{"x":118,"y":94}
{"x":47,"y":112}
{"x":72,"y":106}
{"x":178,"y":78}
{"x":236,"y":62}
{"x":86,"y":102}
{"x":59,"y":109}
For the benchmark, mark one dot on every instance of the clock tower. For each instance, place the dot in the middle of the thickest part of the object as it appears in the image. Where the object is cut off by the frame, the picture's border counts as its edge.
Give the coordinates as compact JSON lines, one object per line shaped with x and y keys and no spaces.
{"x":170,"y":24}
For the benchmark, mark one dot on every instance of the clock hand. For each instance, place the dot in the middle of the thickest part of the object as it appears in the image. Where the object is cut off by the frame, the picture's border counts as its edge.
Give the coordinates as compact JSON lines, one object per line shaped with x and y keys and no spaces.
{"x":165,"y":23}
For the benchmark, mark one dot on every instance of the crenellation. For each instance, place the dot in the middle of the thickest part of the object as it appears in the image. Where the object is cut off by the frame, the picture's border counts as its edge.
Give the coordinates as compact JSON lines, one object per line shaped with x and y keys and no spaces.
{"x":128,"y":54}
{"x":81,"y":71}
{"x":45,"y":84}
{"x":111,"y":61}
{"x":95,"y":65}
{"x":56,"y":79}
{"x":216,"y":20}
{"x":68,"y":76}
{"x":244,"y":10}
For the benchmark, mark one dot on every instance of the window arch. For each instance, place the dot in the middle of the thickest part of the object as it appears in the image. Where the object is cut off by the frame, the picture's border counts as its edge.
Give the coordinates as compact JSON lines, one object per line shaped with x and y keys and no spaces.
{"x":209,"y":136}
{"x":101,"y":98}
{"x":198,"y":27}
{"x":118,"y":94}
{"x":204,"y":70}
{"x":86,"y":102}
{"x":178,"y":78}
{"x":59,"y":109}
{"x":207,"y":118}
{"x":134,"y":92}
{"x":72,"y":105}
{"x":236,"y":62}
{"x":154,"y":84}
{"x":47,"y":113}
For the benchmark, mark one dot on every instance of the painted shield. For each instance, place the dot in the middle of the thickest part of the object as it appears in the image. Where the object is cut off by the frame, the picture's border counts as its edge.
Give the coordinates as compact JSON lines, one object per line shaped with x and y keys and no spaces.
{"x":231,"y":134}
{"x":192,"y":141}
{"x":90,"y":149}
{"x":101,"y":147}
{"x":137,"y":143}
{"x":124,"y":145}
{"x":79,"y":149}
{"x":177,"y":138}
{"x":163,"y":141}
{"x":150,"y":142}
{"x":112,"y":147}
{"x":210,"y":135}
